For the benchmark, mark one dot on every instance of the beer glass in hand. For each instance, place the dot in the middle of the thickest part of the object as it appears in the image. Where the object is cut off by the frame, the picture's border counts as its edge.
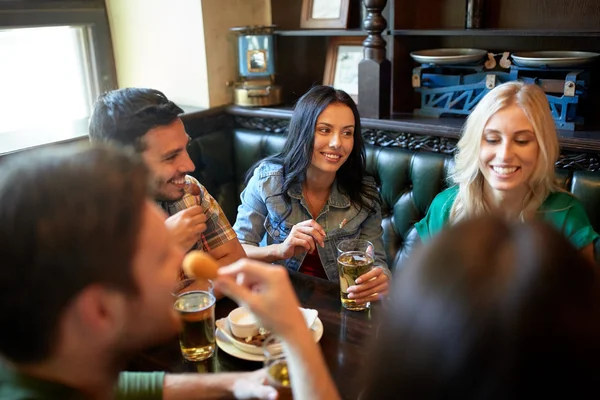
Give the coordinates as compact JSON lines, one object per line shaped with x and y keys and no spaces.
{"x":355,"y":258}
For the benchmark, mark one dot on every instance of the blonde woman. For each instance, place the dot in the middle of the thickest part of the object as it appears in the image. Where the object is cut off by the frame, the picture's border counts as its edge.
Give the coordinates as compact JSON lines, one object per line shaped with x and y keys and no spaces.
{"x":505,"y":166}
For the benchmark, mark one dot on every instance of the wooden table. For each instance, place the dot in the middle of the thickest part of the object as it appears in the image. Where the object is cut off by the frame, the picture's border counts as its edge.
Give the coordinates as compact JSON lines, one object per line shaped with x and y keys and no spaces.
{"x":344,"y":343}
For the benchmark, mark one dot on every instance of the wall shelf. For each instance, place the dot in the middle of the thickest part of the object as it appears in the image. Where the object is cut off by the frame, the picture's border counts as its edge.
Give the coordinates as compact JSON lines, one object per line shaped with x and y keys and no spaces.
{"x":496,"y":32}
{"x":582,"y":141}
{"x":510,"y":25}
{"x":322,"y":32}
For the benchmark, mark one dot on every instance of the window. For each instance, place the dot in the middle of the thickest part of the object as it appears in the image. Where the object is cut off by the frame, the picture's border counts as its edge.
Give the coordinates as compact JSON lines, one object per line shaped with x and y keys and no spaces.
{"x":46,"y":85}
{"x":49,"y":76}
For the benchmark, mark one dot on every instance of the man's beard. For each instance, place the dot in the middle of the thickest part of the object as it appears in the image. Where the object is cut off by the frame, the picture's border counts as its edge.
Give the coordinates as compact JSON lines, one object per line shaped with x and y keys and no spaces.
{"x":134,"y":343}
{"x":160,"y":195}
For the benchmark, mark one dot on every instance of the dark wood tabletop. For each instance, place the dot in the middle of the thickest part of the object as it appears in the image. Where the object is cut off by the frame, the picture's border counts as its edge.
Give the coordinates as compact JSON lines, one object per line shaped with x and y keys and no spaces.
{"x":345,"y":340}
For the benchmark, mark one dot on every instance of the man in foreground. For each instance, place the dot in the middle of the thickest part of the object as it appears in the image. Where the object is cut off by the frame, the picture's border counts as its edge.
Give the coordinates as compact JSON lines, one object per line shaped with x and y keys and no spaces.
{"x":87,"y":270}
{"x":147,"y":121}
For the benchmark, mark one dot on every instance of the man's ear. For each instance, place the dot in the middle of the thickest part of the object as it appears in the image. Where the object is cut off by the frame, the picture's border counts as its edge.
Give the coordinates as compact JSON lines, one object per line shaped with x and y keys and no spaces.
{"x":100,"y":310}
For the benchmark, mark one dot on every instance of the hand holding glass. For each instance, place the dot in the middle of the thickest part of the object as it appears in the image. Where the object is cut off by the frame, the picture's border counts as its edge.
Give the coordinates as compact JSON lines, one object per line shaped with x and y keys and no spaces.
{"x":355,"y":258}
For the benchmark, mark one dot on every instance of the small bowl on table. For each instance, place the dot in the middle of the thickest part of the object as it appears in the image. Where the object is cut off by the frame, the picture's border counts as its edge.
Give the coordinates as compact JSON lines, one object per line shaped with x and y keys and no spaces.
{"x":242,"y":323}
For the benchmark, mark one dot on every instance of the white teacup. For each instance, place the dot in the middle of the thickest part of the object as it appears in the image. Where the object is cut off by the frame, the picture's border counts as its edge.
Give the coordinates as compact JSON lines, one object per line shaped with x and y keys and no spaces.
{"x":242,"y":323}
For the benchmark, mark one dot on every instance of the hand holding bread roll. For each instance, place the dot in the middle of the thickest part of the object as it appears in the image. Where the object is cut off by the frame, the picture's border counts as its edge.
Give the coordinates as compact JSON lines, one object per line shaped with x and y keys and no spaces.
{"x":199,"y":264}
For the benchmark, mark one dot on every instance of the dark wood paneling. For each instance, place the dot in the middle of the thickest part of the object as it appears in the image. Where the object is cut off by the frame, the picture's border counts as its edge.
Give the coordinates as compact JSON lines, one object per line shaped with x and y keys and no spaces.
{"x":517,"y":14}
{"x":286,"y":13}
{"x":322,"y":32}
{"x":543,"y":14}
{"x":498,"y":32}
{"x":300,"y":64}
{"x":429,"y":14}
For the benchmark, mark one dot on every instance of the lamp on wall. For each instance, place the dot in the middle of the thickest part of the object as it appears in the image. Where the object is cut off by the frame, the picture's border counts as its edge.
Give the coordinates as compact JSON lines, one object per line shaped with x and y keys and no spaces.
{"x":256,"y":67}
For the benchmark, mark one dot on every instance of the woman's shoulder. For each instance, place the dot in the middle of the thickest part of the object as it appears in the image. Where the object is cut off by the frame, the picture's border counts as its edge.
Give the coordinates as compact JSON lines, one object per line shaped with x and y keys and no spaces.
{"x":445,"y":198}
{"x":559,"y":201}
{"x":561,"y":206}
{"x":268,"y":168}
{"x":438,"y":214}
{"x":567,"y":214}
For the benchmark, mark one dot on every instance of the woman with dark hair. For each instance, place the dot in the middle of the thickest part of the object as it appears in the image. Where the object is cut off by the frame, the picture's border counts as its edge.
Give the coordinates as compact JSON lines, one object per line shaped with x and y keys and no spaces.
{"x":314,"y":194}
{"x":491,"y":310}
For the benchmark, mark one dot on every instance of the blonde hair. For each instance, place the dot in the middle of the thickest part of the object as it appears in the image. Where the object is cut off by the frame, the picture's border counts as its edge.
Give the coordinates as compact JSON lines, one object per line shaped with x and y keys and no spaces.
{"x":467,"y":175}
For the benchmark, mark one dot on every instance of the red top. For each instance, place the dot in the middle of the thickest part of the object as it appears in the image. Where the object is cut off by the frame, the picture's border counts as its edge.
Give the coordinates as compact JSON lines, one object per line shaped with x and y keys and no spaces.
{"x":312,"y":266}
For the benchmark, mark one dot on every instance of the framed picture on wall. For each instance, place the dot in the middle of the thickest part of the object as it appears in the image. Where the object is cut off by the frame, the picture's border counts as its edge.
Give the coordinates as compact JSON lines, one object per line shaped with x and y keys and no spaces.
{"x":341,"y":64}
{"x":332,"y":14}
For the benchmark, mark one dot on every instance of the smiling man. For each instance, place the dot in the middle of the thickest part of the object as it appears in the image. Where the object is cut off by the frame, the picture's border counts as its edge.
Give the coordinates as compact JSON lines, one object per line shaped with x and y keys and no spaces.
{"x":149,"y":122}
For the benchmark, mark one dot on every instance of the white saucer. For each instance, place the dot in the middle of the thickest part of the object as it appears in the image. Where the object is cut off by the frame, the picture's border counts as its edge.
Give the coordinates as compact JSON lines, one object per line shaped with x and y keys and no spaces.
{"x":225,"y":344}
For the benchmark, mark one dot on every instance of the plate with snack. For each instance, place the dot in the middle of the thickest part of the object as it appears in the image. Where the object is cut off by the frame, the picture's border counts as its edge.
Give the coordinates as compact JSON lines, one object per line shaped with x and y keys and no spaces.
{"x":246,"y":343}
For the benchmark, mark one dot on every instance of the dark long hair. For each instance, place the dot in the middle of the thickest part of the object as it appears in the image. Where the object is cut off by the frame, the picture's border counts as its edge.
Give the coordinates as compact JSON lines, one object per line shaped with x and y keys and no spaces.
{"x":490,"y":310}
{"x":296,"y":155}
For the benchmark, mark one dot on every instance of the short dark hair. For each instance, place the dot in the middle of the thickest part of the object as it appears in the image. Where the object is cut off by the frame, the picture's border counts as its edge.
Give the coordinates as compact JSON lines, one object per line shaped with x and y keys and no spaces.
{"x":491,"y":310}
{"x":69,"y":217}
{"x":125,"y":115}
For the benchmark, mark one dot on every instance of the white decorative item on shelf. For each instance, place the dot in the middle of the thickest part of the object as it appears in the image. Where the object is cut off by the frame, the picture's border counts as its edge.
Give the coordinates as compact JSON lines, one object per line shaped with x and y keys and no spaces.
{"x":556,"y":59}
{"x":448,"y":56}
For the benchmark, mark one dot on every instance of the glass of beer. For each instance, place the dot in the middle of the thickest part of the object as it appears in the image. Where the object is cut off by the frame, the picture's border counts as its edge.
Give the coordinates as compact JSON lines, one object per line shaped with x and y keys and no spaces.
{"x":277,"y":368}
{"x":355,"y":258}
{"x":195,"y":303}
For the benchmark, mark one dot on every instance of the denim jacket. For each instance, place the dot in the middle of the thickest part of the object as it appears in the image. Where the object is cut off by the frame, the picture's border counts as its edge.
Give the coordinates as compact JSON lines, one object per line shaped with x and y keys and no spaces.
{"x":261,"y":213}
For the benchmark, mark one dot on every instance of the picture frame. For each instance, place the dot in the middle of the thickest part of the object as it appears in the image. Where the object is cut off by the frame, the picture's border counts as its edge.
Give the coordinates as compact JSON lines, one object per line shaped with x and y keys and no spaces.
{"x":325,"y":14}
{"x":341,"y":64}
{"x":257,"y":60}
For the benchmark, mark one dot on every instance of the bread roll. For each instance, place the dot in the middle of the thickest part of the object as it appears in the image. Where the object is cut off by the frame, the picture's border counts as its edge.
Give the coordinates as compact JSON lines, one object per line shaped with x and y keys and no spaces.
{"x":199,"y":264}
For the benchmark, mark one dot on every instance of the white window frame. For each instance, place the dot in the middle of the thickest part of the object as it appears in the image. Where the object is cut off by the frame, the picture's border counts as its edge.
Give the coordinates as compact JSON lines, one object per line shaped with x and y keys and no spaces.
{"x":97,"y":50}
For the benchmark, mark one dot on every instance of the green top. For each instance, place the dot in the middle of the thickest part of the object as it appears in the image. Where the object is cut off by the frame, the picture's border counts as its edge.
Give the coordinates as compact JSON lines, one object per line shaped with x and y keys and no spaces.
{"x":132,"y":385}
{"x":561,"y":210}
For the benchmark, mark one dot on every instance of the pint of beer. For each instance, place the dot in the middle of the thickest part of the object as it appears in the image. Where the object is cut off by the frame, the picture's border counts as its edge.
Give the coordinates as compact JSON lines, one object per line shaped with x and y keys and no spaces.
{"x":196,"y":305}
{"x":277,"y":368}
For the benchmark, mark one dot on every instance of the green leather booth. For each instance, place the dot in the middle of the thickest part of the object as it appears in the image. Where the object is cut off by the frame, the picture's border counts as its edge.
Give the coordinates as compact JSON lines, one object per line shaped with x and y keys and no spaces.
{"x":408,"y":180}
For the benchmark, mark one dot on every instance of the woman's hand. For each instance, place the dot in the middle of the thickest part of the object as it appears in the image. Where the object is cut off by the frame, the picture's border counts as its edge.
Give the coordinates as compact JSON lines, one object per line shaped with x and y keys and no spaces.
{"x":369,"y":286}
{"x":304,"y":236}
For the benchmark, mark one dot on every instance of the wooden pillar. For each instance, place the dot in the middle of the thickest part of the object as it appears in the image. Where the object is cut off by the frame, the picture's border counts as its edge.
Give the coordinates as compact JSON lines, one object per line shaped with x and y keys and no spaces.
{"x":375,"y":70}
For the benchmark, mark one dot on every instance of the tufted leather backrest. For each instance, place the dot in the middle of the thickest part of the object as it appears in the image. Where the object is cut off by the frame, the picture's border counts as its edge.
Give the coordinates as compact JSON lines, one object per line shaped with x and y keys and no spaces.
{"x":408,"y":183}
{"x":408,"y":180}
{"x":224,"y":157}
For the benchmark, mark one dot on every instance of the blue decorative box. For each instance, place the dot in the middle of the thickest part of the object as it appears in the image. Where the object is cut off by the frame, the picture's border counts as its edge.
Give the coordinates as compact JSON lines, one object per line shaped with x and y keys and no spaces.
{"x":255,"y":56}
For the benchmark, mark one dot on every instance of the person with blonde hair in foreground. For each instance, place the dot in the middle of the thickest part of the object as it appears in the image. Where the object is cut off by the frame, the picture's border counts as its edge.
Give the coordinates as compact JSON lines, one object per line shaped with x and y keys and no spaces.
{"x":490,"y":309}
{"x":505,"y":166}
